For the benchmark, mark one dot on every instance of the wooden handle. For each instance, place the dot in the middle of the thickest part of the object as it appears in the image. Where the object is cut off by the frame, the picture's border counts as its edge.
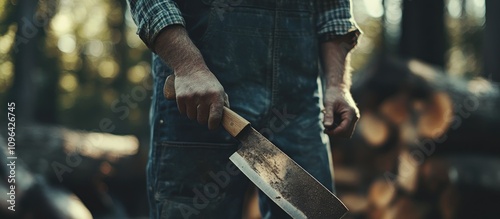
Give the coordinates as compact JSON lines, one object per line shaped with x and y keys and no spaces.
{"x":169,"y":88}
{"x":231,"y":121}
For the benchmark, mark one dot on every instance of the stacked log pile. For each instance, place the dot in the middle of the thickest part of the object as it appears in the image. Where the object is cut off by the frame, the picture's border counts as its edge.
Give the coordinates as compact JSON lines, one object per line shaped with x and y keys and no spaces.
{"x":424,"y":142}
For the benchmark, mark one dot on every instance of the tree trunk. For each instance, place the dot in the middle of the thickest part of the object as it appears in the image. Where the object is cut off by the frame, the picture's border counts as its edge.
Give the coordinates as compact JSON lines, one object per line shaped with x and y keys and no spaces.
{"x":423,"y":35}
{"x":491,"y":43}
{"x":23,"y":89}
{"x":35,"y":85}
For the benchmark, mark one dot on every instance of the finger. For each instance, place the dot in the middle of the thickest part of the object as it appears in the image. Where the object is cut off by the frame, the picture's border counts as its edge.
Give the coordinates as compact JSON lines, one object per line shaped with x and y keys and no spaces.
{"x":328,"y":118}
{"x":203,"y":112}
{"x":191,"y":110}
{"x":343,"y":130}
{"x":215,"y":116}
{"x":339,"y":130}
{"x":181,"y":105}
{"x":346,"y":126}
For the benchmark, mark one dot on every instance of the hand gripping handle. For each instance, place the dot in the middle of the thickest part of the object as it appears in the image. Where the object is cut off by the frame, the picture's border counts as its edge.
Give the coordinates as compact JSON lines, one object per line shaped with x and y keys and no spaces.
{"x":231,"y":121}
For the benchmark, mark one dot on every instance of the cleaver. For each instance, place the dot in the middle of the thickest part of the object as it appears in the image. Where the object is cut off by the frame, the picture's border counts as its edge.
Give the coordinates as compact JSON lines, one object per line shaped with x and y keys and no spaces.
{"x":286,"y":183}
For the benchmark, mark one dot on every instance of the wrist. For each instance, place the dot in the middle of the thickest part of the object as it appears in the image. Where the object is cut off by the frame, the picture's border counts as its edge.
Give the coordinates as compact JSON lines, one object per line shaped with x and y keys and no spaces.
{"x":174,"y":46}
{"x":188,"y":72}
{"x":337,"y":87}
{"x":337,"y":81}
{"x":348,"y":41}
{"x":192,"y":68}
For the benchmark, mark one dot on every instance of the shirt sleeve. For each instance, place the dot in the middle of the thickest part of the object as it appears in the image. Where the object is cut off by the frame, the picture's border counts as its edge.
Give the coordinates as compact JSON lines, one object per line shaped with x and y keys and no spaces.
{"x":334,"y":18}
{"x":151,"y":16}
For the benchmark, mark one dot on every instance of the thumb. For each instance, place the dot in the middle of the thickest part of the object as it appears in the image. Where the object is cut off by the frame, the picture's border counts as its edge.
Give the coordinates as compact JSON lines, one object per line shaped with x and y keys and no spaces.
{"x":328,"y":119}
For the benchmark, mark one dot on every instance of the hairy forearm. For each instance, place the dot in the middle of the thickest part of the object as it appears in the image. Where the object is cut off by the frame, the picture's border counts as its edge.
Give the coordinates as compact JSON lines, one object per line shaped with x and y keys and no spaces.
{"x":341,"y":113}
{"x":334,"y":60}
{"x":175,"y":47}
{"x":199,"y":94}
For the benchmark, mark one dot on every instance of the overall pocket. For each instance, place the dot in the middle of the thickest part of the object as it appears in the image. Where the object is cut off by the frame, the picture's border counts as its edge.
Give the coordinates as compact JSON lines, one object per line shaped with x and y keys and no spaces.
{"x":183,"y":168}
{"x":194,"y":176}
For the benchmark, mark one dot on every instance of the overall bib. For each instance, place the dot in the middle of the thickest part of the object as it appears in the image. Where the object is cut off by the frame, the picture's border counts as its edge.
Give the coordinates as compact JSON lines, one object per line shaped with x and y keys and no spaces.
{"x":265,"y":55}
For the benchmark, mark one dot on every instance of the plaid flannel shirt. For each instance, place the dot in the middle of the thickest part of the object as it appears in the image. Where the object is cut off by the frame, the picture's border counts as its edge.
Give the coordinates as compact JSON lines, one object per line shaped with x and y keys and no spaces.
{"x":151,"y":16}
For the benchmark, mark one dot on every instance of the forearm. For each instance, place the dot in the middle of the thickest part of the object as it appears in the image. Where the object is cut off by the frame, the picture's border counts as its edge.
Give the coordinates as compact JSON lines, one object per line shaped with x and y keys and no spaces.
{"x":337,"y":98}
{"x":338,"y":34}
{"x":334,"y":60}
{"x":175,"y":47}
{"x":199,"y":94}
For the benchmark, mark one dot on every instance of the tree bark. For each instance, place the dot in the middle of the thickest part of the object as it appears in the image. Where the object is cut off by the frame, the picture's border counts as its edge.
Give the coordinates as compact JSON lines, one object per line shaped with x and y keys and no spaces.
{"x":36,"y":76}
{"x":423,"y":35}
{"x":491,"y":41}
{"x":25,"y":61}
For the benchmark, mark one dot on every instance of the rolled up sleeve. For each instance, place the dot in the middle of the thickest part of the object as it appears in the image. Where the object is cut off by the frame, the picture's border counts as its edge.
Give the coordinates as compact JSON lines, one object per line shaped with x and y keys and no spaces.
{"x":151,"y":16}
{"x":334,"y":18}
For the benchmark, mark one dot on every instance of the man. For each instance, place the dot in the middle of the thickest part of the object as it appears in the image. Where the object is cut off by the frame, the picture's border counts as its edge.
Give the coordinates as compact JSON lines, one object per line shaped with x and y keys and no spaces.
{"x":265,"y":55}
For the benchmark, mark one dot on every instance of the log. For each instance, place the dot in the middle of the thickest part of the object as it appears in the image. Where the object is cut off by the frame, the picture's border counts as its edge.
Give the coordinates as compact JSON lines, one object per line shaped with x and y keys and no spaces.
{"x":34,"y":197}
{"x":425,"y":104}
{"x":91,"y":165}
{"x":57,"y":152}
{"x":408,"y":108}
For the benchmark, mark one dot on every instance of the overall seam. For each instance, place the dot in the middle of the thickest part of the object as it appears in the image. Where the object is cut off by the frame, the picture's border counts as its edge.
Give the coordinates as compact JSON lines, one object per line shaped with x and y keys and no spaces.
{"x":275,"y":62}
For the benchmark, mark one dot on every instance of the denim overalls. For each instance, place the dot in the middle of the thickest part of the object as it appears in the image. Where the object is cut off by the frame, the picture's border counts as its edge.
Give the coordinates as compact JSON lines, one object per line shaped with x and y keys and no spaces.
{"x":265,"y":55}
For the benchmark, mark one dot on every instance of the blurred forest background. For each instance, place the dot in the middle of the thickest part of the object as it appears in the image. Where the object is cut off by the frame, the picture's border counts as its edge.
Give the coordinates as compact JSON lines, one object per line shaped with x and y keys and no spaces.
{"x":76,"y":70}
{"x":62,"y":59}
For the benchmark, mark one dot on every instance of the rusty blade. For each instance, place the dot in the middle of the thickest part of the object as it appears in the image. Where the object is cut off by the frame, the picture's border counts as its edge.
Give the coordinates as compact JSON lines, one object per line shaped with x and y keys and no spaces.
{"x":284,"y":181}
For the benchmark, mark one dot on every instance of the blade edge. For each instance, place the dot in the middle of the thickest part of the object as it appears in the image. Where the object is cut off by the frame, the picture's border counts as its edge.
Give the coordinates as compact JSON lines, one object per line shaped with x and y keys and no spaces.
{"x":274,"y":167}
{"x":243,"y":165}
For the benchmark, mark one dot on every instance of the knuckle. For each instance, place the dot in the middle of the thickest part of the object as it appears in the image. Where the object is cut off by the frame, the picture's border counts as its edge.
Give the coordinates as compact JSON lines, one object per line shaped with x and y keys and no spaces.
{"x":194,"y":94}
{"x":185,"y":96}
{"x":217,"y":106}
{"x":179,"y":96}
{"x":217,"y":115}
